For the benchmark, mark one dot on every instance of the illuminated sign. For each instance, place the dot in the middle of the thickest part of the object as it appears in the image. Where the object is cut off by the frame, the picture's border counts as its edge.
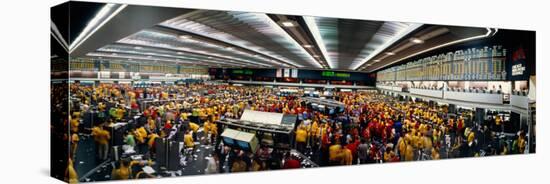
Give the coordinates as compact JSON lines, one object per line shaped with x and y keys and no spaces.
{"x":245,"y":72}
{"x":518,"y":70}
{"x":518,"y":59}
{"x":335,"y":74}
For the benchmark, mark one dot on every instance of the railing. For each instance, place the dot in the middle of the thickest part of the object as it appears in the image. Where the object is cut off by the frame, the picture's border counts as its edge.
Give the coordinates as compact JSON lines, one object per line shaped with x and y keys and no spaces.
{"x":391,"y":88}
{"x":519,"y":101}
{"x":427,"y":92}
{"x":491,"y":98}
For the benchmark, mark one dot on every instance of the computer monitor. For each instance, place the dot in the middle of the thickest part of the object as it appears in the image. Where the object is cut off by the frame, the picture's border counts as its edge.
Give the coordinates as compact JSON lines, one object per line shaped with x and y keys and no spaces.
{"x":243,"y":145}
{"x":228,"y":135}
{"x":331,"y":111}
{"x":228,"y":141}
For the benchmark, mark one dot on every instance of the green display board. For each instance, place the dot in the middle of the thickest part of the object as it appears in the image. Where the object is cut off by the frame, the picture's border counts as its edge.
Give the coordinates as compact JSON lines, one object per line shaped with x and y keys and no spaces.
{"x":335,"y":74}
{"x":245,"y":72}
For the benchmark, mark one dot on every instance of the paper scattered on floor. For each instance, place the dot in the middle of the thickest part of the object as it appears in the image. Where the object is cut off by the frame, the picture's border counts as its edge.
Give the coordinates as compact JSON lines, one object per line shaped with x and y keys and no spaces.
{"x":148,"y":170}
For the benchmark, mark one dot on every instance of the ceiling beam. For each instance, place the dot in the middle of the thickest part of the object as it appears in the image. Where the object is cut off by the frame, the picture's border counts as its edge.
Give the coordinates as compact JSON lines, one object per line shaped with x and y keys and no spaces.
{"x":318,"y":38}
{"x":130,"y":20}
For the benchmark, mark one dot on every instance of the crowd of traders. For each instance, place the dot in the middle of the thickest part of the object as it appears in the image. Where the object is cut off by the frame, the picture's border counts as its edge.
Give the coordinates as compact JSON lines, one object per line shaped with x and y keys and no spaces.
{"x":373,"y":128}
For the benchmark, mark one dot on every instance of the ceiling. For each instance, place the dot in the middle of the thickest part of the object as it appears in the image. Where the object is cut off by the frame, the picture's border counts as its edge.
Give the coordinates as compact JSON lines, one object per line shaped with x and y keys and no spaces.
{"x":255,"y":40}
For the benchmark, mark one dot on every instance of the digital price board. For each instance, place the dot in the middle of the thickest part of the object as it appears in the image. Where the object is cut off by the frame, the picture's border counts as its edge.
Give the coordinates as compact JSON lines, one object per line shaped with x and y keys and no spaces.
{"x":335,"y":74}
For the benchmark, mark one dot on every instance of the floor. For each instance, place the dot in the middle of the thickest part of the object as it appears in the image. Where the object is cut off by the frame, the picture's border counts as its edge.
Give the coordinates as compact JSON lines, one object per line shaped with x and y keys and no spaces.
{"x":87,"y":162}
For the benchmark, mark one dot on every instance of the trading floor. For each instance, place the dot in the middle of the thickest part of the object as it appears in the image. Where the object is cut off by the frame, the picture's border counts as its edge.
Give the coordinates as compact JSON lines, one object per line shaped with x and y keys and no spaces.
{"x":344,"y":128}
{"x":151,"y":91}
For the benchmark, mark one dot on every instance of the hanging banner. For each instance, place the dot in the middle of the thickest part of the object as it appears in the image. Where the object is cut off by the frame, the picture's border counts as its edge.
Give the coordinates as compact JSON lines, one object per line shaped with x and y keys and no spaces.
{"x":279,"y":73}
{"x":286,"y":72}
{"x":519,"y":66}
{"x":294,"y":73}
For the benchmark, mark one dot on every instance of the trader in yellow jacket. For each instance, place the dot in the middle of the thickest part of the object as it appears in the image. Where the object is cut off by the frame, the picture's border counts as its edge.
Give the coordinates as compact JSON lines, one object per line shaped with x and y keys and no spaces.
{"x":210,"y":129}
{"x":335,"y":154}
{"x":151,"y":140}
{"x":301,"y":137}
{"x":75,"y":122}
{"x":140,"y":135}
{"x":522,"y":143}
{"x":70,"y":173}
{"x":74,"y":144}
{"x":435,"y":154}
{"x":402,"y":147}
{"x":188,"y":141}
{"x":124,"y":171}
{"x":347,"y":156}
{"x":102,"y":138}
{"x":194,"y":127}
{"x":312,"y":132}
{"x":409,"y":153}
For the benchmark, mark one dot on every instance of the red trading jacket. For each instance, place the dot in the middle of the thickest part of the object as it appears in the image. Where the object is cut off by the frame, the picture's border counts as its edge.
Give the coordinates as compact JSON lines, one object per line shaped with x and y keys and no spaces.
{"x":353,"y":148}
{"x":366,"y":133}
{"x":292,"y":164}
{"x":325,"y":140}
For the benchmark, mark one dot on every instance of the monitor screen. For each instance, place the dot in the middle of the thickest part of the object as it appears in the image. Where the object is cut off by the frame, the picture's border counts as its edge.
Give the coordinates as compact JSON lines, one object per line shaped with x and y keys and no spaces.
{"x":228,"y":141}
{"x":243,"y":145}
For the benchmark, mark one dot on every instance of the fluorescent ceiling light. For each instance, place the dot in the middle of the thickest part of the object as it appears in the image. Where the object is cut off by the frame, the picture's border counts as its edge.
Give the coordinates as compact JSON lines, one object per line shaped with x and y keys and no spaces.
{"x":103,"y":16}
{"x":308,"y":46}
{"x":135,"y":40}
{"x":57,"y":36}
{"x":194,"y":57}
{"x":282,"y":37}
{"x":390,"y":53}
{"x":129,"y":58}
{"x":400,"y":29}
{"x":185,"y":37}
{"x":416,"y":40}
{"x":259,"y":21}
{"x":312,"y":26}
{"x":288,"y":24}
